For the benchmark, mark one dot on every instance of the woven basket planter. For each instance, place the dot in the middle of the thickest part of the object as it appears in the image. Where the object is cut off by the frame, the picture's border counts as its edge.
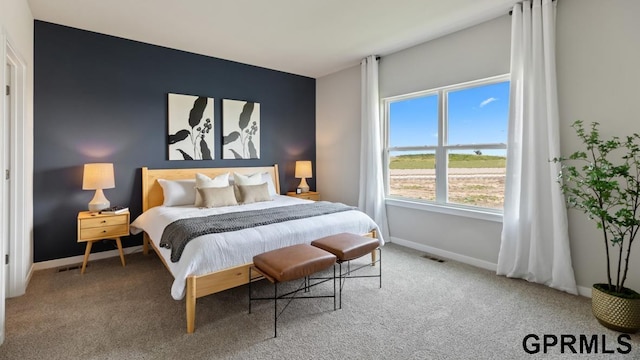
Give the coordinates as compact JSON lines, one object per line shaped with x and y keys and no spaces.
{"x":614,"y":312}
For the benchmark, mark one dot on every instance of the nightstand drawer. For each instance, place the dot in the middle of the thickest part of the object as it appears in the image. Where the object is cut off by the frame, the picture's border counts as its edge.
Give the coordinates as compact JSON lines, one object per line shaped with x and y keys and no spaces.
{"x":103,"y":221}
{"x":313,"y":197}
{"x":104,"y":232}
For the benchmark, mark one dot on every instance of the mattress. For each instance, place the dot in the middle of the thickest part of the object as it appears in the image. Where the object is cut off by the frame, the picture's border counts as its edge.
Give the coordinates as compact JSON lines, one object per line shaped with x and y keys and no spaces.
{"x":213,"y":252}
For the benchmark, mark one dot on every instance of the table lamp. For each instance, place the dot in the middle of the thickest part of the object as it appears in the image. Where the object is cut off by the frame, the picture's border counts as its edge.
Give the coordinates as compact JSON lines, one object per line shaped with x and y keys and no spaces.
{"x":303,"y":171}
{"x":98,"y":176}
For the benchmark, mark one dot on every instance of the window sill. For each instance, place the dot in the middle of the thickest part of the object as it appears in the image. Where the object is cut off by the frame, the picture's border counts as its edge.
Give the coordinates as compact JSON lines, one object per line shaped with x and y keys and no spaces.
{"x":474,"y":213}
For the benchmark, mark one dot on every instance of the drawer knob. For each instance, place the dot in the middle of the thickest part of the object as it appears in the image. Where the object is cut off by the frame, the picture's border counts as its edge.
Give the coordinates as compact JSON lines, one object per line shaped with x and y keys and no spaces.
{"x":104,"y":231}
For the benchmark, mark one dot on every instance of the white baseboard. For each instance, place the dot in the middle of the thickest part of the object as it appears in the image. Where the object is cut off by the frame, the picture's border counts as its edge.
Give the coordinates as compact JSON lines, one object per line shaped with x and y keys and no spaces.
{"x":582,"y":290}
{"x":446,"y":254}
{"x":50,"y":264}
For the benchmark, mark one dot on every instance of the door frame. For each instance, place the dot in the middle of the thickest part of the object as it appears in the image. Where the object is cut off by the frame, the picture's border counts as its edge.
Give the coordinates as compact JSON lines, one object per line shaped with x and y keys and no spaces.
{"x":2,"y":215}
{"x":20,"y":248}
{"x":20,"y":237}
{"x":5,"y":163}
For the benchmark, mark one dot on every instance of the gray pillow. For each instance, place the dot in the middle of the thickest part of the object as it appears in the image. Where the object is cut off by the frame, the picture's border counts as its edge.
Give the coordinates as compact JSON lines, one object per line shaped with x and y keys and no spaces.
{"x":254,"y":193}
{"x":217,"y":196}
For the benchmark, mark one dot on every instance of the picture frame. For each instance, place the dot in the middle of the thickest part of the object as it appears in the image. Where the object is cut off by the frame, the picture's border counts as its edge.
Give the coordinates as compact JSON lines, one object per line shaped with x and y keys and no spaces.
{"x":190,"y":124}
{"x":241,"y":129}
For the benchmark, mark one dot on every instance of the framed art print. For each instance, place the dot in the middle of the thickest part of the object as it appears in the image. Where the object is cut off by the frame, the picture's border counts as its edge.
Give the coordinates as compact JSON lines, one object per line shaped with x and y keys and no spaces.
{"x":241,"y":129}
{"x":191,"y":135}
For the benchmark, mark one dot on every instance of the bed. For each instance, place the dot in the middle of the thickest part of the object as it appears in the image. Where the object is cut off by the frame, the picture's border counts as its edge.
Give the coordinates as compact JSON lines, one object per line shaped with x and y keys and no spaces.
{"x":217,"y":262}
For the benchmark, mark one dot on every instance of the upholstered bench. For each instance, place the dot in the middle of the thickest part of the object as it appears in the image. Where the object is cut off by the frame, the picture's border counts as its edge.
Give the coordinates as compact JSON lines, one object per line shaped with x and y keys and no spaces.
{"x":288,"y":264}
{"x":347,"y":247}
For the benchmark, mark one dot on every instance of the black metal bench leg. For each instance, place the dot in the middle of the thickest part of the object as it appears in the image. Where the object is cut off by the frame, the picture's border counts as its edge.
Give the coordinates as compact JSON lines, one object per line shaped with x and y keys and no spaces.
{"x":334,"y":287}
{"x":340,"y":277}
{"x":380,"y":265}
{"x":275,"y":309}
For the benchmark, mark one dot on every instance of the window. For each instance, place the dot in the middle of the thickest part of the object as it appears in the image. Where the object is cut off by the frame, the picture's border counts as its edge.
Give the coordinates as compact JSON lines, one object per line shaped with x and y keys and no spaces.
{"x":464,"y":128}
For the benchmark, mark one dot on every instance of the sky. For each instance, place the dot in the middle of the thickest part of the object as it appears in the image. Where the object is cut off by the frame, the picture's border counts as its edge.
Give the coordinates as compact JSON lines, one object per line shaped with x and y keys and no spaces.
{"x":476,"y":115}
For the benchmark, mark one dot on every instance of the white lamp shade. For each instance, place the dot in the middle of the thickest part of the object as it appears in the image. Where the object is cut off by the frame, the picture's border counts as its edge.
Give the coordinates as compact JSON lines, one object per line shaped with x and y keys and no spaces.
{"x":303,"y":169}
{"x":98,"y":176}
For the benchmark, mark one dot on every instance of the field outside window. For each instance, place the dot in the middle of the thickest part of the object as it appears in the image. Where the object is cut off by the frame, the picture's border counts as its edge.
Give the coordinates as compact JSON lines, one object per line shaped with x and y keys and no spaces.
{"x":463,"y":127}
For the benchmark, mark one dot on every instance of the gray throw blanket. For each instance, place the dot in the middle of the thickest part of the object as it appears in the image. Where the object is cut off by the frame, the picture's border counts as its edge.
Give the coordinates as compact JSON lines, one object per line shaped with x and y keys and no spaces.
{"x":177,"y":234}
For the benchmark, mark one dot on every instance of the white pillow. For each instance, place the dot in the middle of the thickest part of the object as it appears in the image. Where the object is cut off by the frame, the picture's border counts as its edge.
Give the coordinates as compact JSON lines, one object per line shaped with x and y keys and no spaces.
{"x":270,"y":186}
{"x":255,"y":179}
{"x":178,"y":192}
{"x":203,"y":181}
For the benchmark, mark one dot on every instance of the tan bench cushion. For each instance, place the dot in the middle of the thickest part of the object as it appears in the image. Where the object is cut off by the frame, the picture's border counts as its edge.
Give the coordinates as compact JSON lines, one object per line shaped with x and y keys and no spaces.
{"x":293,"y":262}
{"x":347,"y":246}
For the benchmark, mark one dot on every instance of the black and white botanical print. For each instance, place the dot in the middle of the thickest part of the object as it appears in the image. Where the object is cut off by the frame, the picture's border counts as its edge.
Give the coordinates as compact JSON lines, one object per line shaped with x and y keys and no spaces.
{"x":190,"y":127}
{"x":241,"y":126}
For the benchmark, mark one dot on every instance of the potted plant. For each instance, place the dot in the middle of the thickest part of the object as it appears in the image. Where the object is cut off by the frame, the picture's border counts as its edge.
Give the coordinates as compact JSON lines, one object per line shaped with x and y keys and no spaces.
{"x":603,"y":181}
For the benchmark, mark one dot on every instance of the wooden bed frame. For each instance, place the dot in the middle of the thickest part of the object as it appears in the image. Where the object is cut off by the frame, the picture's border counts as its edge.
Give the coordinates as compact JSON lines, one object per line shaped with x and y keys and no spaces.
{"x":207,"y":284}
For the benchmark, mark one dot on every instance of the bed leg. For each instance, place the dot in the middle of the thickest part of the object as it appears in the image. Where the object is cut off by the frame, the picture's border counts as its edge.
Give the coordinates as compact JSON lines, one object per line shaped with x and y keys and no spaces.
{"x":374,"y":234}
{"x":145,"y":244}
{"x":191,"y":304}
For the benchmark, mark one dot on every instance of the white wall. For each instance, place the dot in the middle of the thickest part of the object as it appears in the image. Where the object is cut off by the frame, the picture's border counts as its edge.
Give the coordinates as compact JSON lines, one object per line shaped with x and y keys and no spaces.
{"x":338,"y":136}
{"x":474,"y":53}
{"x":470,"y":54}
{"x":598,"y":77}
{"x":16,"y":25}
{"x":598,"y":80}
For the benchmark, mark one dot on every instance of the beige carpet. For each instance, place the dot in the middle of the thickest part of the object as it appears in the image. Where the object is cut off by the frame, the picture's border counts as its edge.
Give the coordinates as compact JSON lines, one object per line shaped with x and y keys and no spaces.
{"x":425,"y":310}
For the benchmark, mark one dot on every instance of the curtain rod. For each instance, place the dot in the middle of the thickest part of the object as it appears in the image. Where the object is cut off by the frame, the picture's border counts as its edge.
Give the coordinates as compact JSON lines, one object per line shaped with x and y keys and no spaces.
{"x":520,"y":2}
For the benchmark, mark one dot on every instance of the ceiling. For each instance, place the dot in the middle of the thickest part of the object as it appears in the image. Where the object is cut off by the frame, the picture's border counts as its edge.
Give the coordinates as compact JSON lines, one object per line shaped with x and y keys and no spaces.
{"x":304,"y":37}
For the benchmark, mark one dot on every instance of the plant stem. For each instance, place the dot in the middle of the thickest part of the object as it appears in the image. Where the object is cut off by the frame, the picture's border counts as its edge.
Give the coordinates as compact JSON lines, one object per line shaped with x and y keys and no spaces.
{"x":603,"y":223}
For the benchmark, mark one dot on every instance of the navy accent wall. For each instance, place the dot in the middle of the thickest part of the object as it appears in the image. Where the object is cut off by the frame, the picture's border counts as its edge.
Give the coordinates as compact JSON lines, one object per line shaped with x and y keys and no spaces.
{"x":99,"y":98}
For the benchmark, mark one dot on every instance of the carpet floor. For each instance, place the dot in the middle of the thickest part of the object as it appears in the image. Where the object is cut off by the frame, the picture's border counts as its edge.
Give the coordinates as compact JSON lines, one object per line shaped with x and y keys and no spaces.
{"x":425,"y":309}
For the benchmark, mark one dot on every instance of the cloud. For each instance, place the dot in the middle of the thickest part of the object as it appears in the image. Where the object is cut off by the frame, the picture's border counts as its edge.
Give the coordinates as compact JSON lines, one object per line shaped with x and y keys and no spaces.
{"x":488,"y":101}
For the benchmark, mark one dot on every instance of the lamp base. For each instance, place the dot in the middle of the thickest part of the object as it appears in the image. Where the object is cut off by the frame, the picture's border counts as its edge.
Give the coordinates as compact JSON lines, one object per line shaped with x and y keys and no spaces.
{"x":304,"y":187}
{"x":99,"y":202}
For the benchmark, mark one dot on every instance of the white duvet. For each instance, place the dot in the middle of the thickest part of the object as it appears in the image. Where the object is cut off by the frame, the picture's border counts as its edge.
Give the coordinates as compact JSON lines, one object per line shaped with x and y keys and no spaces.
{"x":214,"y":252}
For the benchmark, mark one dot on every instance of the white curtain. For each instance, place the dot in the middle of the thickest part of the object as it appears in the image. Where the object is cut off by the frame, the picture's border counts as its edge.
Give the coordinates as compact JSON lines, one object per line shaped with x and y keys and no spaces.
{"x":535,"y":240}
{"x":371,"y":198}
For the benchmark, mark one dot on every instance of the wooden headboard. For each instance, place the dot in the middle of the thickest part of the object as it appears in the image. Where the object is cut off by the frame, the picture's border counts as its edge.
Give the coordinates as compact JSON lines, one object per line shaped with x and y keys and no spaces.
{"x":152,"y":192}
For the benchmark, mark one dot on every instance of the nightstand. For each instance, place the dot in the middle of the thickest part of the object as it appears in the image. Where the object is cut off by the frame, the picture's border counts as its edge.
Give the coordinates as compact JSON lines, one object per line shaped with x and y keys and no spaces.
{"x":311,"y":195}
{"x":93,"y":227}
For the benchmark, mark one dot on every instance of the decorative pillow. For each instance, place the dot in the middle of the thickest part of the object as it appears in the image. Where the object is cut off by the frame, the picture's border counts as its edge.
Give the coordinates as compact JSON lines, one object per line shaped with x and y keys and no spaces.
{"x":203,"y":181}
{"x":254,"y":193}
{"x":178,"y":192}
{"x":272,"y":188}
{"x":217,"y":196}
{"x":254,"y":179}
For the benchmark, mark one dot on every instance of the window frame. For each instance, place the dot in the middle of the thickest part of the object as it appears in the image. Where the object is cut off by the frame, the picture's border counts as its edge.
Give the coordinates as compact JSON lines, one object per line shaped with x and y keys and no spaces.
{"x":441,"y":150}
